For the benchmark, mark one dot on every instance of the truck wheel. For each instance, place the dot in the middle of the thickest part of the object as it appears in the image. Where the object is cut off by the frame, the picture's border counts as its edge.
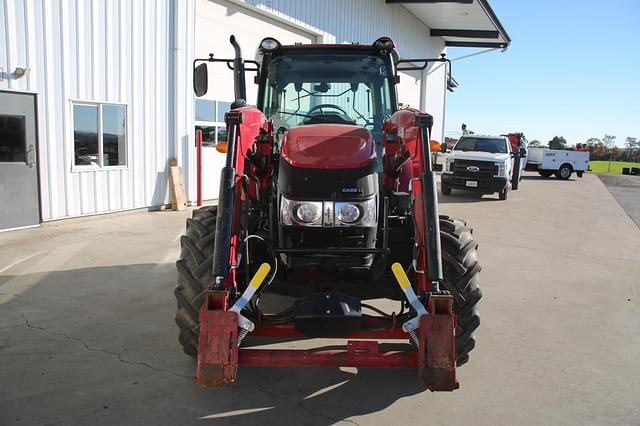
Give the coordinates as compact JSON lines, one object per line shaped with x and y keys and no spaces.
{"x":545,"y":173}
{"x":445,"y":189}
{"x":194,"y":274}
{"x":461,"y":277}
{"x":504,"y":193}
{"x":564,"y":172}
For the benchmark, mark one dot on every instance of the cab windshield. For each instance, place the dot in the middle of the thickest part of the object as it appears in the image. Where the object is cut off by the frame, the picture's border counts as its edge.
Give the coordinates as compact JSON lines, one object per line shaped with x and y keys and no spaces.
{"x":327,"y":88}
{"x":496,"y":146}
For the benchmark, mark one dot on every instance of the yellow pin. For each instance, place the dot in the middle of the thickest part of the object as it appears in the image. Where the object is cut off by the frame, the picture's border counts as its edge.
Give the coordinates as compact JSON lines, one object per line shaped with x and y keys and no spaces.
{"x":400,"y":275}
{"x":260,"y":275}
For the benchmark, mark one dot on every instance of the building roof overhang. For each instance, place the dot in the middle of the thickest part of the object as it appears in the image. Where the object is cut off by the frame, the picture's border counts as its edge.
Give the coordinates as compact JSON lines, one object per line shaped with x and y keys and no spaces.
{"x":460,"y":23}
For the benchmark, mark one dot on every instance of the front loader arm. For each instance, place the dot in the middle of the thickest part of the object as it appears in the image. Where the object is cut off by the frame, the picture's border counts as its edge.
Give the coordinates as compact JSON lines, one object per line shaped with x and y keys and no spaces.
{"x":244,"y":126}
{"x":407,"y":136}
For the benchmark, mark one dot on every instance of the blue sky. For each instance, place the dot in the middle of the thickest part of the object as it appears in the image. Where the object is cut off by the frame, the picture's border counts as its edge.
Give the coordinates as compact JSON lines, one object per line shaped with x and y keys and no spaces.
{"x":572,"y":70}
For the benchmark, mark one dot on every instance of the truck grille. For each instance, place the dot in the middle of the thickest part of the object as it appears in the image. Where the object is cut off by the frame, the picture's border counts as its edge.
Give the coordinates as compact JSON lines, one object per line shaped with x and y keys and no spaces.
{"x":487,"y":169}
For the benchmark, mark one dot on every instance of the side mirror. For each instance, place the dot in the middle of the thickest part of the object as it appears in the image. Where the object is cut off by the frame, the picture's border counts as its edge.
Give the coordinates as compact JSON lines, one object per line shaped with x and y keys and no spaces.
{"x":200,"y":80}
{"x":443,"y":148}
{"x":523,"y":152}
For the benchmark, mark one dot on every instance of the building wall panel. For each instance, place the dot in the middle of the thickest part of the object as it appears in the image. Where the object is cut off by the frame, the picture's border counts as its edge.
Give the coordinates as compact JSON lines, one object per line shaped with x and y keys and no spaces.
{"x":105,"y":51}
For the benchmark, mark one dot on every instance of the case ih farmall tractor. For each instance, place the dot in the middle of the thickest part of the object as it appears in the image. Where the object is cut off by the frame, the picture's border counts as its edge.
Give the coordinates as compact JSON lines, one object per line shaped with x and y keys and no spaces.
{"x":328,"y":197}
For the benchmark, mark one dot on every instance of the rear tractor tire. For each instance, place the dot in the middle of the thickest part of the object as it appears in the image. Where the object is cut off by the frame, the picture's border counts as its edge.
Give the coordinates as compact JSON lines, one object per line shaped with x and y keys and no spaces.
{"x":194,"y":274}
{"x":461,"y":277}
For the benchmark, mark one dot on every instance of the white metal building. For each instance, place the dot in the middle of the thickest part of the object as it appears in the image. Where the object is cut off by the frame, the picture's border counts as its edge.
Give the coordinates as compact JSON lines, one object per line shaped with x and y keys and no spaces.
{"x":96,"y":95}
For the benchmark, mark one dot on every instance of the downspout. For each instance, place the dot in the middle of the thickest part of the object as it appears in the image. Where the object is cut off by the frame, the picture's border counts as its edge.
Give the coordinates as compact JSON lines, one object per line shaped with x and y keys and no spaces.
{"x":182,"y":39}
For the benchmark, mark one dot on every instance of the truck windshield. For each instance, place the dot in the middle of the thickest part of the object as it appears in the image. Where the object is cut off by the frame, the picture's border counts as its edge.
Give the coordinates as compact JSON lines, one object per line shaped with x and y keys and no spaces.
{"x":327,"y":88}
{"x":481,"y":144}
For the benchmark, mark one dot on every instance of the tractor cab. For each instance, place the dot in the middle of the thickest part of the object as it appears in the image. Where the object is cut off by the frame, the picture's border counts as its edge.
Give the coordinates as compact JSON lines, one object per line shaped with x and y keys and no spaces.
{"x":351,"y":85}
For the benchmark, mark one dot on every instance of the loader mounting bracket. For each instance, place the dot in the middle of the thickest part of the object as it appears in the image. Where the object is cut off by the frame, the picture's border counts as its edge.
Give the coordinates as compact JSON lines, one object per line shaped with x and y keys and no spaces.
{"x":437,"y":340}
{"x":217,"y":363}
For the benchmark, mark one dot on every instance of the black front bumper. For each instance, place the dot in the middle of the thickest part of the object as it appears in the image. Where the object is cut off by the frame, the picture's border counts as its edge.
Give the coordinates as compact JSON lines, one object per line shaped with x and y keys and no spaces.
{"x":485,"y":185}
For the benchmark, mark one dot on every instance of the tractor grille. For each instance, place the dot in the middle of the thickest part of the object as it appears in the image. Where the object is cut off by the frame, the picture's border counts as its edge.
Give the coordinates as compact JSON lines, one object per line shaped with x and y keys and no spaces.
{"x":487,"y":169}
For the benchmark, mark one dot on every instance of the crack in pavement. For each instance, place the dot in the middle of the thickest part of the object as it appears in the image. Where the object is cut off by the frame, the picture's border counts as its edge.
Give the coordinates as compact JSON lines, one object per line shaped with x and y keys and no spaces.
{"x":92,"y":349}
{"x":87,"y":347}
{"x":297,"y":403}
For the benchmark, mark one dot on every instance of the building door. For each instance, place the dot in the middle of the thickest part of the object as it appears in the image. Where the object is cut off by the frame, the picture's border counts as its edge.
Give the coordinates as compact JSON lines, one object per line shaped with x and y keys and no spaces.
{"x":19,"y":200}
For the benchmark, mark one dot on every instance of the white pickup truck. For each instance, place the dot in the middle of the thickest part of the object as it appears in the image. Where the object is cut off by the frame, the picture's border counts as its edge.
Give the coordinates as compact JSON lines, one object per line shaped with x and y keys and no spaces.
{"x":561,"y":163}
{"x":482,"y":164}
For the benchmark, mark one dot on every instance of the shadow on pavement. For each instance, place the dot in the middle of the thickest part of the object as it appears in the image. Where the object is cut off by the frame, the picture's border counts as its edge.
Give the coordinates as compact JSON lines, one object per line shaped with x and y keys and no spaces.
{"x":98,"y":346}
{"x":459,"y":197}
{"x":551,"y":178}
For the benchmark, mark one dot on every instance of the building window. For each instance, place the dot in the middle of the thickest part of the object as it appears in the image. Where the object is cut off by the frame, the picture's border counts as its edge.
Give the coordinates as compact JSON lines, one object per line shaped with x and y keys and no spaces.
{"x":12,"y":139}
{"x":99,"y":135}
{"x":205,"y":110}
{"x":210,"y":119}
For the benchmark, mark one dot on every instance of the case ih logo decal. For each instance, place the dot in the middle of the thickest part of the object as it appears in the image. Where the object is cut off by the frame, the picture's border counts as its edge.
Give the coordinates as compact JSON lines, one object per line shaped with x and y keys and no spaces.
{"x":473,"y":169}
{"x":351,"y":190}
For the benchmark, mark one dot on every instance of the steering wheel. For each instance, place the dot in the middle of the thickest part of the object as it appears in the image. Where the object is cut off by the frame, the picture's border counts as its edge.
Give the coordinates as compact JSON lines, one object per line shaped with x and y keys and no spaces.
{"x":321,"y":106}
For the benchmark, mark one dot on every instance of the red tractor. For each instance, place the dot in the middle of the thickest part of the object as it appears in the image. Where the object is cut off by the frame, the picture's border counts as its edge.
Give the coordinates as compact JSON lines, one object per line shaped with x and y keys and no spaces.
{"x":328,"y":197}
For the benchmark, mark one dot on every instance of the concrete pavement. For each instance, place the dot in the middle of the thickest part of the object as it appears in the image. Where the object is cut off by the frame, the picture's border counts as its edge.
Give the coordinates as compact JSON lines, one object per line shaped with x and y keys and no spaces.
{"x":87,"y":333}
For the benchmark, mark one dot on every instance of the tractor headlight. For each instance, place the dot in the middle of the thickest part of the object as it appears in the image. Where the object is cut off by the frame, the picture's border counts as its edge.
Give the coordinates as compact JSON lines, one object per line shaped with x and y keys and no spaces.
{"x":328,"y":213}
{"x":356,"y":213}
{"x":269,"y":44}
{"x":347,"y":212}
{"x":307,"y":213}
{"x":384,"y":44}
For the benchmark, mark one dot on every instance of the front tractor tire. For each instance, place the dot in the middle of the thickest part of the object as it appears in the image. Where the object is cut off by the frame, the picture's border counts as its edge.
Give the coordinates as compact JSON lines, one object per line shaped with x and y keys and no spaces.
{"x":461,"y":278}
{"x":194,"y":274}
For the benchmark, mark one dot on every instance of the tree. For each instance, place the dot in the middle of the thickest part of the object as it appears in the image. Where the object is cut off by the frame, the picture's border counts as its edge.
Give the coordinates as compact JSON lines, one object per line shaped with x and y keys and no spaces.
{"x":609,"y":141}
{"x":615,"y":153}
{"x":535,"y":143}
{"x":599,"y":152}
{"x":633,"y":149}
{"x":593,"y":141}
{"x":558,"y":142}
